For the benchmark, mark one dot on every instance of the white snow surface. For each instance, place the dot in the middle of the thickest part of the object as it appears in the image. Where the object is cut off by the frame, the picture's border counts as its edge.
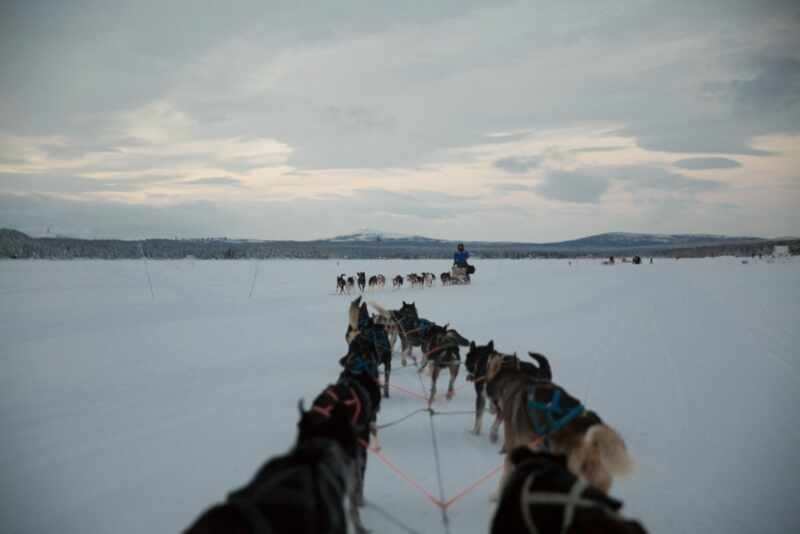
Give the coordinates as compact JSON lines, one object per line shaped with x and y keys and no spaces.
{"x":126,"y":411}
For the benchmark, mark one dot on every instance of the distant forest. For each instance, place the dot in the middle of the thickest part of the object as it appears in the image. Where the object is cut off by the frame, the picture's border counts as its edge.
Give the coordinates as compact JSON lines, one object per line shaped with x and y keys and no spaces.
{"x":15,"y":244}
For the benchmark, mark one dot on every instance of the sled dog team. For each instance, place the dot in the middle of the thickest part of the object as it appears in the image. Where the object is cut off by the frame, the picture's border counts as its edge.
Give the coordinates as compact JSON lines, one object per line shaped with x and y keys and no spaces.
{"x":560,"y":457}
{"x":346,"y":285}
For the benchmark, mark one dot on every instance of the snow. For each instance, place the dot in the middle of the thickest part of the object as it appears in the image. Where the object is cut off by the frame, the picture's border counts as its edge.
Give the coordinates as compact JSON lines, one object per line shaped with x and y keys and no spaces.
{"x":123,"y":411}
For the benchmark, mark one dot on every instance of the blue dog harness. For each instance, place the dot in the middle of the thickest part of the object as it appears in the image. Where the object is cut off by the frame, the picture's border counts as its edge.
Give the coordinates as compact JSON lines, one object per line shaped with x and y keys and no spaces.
{"x":423,"y":326}
{"x":360,"y":364}
{"x":556,"y":416}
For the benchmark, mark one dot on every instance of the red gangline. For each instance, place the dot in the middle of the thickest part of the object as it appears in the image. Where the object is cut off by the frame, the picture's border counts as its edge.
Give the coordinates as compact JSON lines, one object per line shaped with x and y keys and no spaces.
{"x":408,"y":392}
{"x":474,"y":485}
{"x":402,"y":475}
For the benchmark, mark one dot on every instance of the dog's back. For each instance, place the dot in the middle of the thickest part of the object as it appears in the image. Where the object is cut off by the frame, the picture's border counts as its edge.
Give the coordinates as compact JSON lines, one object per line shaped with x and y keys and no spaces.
{"x":288,"y":494}
{"x":541,"y":496}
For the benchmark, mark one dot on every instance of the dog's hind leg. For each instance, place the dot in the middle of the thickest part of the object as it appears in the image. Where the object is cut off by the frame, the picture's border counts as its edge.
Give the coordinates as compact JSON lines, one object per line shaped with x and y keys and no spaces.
{"x":387,"y":371}
{"x":356,"y":497}
{"x":434,"y":378}
{"x":495,"y":430}
{"x":403,"y":348}
{"x":453,"y":374}
{"x":480,"y":404}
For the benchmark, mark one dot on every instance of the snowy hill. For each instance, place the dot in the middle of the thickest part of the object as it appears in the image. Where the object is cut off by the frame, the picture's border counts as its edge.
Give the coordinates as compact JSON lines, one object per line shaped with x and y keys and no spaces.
{"x":627,"y":239}
{"x":606,"y":241}
{"x":367,"y":235}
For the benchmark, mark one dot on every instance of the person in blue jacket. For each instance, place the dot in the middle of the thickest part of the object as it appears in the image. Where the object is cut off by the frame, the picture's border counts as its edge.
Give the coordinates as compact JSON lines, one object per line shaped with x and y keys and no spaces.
{"x":460,"y":257}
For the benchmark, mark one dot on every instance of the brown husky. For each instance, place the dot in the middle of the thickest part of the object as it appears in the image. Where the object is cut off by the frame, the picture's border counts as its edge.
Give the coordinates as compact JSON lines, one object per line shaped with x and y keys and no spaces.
{"x":440,"y":349}
{"x":541,"y":414}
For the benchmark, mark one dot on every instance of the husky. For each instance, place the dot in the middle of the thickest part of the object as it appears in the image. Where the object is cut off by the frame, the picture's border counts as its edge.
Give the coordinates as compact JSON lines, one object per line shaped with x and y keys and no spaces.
{"x":541,"y":413}
{"x":410,"y":328}
{"x":440,"y":346}
{"x":341,"y":284}
{"x":543,"y":497}
{"x":373,"y":281}
{"x":373,"y":336}
{"x":362,"y":281}
{"x":381,"y":281}
{"x":397,"y":282}
{"x":445,"y":279}
{"x":312,"y":488}
{"x":415,"y":280}
{"x":359,"y":393}
{"x":351,"y":284}
{"x":477,"y":361}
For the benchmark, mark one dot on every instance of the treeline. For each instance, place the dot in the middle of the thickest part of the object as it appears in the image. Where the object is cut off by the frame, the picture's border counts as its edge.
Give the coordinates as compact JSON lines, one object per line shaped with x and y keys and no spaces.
{"x":14,"y":244}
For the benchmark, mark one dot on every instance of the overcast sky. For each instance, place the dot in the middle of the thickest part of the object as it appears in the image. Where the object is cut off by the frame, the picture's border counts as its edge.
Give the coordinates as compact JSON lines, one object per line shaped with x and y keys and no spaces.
{"x":534,"y":121}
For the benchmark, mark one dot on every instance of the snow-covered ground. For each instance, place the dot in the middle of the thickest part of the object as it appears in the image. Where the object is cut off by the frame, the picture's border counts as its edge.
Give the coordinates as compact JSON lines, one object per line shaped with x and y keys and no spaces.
{"x":125,"y":410}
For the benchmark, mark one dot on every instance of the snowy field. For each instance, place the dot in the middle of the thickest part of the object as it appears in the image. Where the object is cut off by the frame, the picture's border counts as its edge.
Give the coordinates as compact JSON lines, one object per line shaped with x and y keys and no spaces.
{"x":133,"y":395}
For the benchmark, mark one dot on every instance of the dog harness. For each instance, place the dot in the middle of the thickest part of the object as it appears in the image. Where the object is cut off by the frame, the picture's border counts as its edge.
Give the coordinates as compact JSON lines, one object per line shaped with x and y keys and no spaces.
{"x":359,"y":364}
{"x":354,"y":403}
{"x":570,"y":501}
{"x":555,"y":415}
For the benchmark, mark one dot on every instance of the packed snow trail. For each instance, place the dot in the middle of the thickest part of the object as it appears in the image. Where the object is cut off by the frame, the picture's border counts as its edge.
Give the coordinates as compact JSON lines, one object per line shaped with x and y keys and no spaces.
{"x":129,"y":411}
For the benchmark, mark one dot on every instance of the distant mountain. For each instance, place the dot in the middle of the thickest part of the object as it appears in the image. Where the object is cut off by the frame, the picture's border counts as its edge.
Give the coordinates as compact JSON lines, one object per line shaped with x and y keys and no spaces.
{"x":368,"y":244}
{"x":624,"y":240}
{"x":367,"y":235}
{"x":613,"y":240}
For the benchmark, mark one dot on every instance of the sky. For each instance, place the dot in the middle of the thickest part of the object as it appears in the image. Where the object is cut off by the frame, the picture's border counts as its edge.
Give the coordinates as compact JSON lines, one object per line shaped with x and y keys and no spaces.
{"x":529,"y":121}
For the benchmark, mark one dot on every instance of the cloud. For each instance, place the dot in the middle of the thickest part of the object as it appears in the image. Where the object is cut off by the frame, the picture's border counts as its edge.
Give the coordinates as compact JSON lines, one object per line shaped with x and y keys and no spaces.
{"x":775,"y":89}
{"x":695,"y":164}
{"x":512,"y":188}
{"x":421,"y":204}
{"x":69,"y":184}
{"x":638,"y":177}
{"x":578,"y":187}
{"x":337,"y":102}
{"x":591,"y":149}
{"x":220,"y":180}
{"x":587,"y":185}
{"x":518,"y":164}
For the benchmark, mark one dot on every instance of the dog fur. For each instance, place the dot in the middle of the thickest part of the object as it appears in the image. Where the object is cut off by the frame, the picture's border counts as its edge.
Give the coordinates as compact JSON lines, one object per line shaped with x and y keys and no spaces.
{"x":542,"y":496}
{"x":598,"y":456}
{"x":309,"y":489}
{"x":440,"y":347}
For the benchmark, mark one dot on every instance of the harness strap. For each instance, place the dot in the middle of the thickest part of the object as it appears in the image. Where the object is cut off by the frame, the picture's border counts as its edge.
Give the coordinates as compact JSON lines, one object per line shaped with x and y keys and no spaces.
{"x":551,"y":408}
{"x":326,"y":411}
{"x":569,"y":502}
{"x":354,"y":400}
{"x":574,"y":496}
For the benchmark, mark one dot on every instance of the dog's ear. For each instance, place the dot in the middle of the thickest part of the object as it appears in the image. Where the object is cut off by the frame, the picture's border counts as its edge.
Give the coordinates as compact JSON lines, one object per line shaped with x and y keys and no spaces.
{"x":301,"y":407}
{"x":491,"y":345}
{"x":471,"y":345}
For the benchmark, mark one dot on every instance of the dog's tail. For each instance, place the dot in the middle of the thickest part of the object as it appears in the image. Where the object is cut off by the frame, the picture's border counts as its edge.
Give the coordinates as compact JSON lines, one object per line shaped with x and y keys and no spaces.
{"x":604,"y":446}
{"x":544,"y":365}
{"x":381,"y":311}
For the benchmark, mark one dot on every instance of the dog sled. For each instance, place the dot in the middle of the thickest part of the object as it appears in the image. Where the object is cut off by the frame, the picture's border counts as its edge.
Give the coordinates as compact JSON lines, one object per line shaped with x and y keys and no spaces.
{"x":460,"y":275}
